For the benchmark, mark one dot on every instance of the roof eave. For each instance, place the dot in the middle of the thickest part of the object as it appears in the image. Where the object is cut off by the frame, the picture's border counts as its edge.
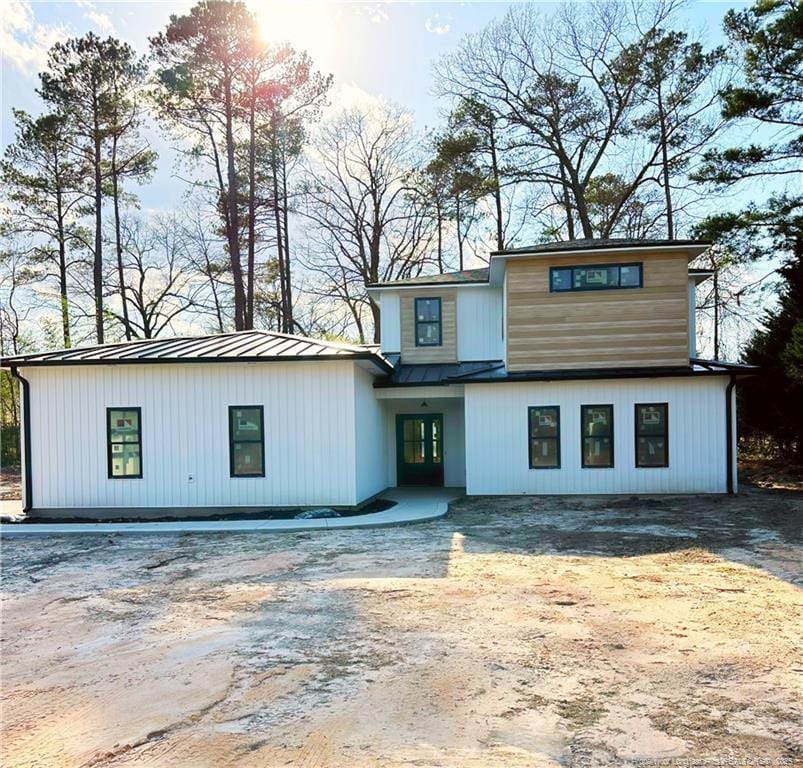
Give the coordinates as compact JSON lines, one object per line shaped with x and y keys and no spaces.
{"x":411,"y":286}
{"x":19,"y":362}
{"x":694,"y":248}
{"x":723,"y":369}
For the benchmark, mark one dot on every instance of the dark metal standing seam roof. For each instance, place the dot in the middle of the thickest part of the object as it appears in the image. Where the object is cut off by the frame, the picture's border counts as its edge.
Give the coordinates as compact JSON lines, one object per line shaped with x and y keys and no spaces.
{"x":432,"y":374}
{"x":466,"y":276}
{"x":240,"y":346}
{"x":493,"y":371}
{"x":594,"y":244}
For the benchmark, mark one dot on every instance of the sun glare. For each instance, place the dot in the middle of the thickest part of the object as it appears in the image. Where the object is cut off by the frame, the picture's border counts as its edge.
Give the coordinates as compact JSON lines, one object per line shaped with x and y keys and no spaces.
{"x":305,"y":26}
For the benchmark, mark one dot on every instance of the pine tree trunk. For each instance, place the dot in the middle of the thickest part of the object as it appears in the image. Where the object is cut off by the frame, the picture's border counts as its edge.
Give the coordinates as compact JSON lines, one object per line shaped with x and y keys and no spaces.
{"x":97,"y":269}
{"x":65,"y":307}
{"x":670,"y":215}
{"x":500,"y":237}
{"x":439,"y":214}
{"x":288,"y":284}
{"x":716,"y":315}
{"x":118,"y":242}
{"x":277,"y":215}
{"x":459,"y":236}
{"x":232,"y":205}
{"x":568,"y":205}
{"x":249,"y":301}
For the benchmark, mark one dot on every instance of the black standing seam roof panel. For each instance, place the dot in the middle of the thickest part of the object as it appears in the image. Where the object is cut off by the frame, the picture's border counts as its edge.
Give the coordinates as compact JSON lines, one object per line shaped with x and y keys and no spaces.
{"x":249,"y":345}
{"x":203,"y":348}
{"x":237,"y":348}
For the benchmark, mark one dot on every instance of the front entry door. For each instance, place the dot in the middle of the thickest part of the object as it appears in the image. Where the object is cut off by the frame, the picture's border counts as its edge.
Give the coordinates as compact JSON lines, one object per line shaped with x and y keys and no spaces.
{"x":419,"y":449}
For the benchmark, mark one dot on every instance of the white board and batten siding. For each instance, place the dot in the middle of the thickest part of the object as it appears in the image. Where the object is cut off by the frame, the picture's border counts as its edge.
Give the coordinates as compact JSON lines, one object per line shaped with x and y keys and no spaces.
{"x":497,"y":457}
{"x":390,"y":322}
{"x":692,"y":318}
{"x":309,"y":423}
{"x":371,"y":436}
{"x":479,"y":324}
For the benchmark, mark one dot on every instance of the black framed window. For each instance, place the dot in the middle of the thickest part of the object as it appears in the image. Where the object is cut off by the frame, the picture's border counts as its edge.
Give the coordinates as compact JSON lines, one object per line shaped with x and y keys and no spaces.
{"x":597,"y":426}
{"x":652,"y":435}
{"x":124,"y":442}
{"x":246,"y":441}
{"x":595,"y":277}
{"x":544,"y":426}
{"x":428,"y":332}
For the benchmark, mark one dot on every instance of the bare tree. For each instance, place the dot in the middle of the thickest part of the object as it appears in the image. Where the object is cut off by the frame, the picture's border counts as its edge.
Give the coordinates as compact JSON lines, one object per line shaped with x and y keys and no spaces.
{"x":44,"y":183}
{"x":570,"y":90}
{"x":13,"y":317}
{"x":206,"y":256}
{"x":368,"y":225}
{"x":160,"y":284}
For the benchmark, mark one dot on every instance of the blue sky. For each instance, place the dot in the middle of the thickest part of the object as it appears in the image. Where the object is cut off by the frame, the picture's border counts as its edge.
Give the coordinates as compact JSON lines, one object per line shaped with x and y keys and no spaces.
{"x":383,"y":49}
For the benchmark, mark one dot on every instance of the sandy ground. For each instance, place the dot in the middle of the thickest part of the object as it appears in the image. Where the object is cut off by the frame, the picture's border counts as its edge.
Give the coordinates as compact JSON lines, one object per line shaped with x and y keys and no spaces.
{"x":516,"y":632}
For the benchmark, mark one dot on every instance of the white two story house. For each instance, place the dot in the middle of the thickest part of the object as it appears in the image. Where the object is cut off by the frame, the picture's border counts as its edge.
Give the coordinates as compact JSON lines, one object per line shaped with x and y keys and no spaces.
{"x":559,"y":369}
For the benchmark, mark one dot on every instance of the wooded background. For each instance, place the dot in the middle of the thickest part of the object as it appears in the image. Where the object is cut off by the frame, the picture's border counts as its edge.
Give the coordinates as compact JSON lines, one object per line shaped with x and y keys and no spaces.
{"x":599,"y":120}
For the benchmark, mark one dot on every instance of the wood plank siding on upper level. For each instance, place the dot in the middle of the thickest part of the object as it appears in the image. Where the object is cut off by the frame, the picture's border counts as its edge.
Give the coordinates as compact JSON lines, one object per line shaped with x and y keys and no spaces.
{"x":447,"y":351}
{"x":625,"y":327}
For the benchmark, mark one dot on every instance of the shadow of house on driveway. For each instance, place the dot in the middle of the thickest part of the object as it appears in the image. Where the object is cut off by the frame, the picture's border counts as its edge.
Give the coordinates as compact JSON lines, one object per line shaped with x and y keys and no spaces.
{"x":758,"y":528}
{"x":515,"y":632}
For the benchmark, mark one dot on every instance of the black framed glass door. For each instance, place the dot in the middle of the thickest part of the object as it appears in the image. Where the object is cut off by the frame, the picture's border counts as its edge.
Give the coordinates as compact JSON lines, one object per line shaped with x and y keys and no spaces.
{"x":419,"y":449}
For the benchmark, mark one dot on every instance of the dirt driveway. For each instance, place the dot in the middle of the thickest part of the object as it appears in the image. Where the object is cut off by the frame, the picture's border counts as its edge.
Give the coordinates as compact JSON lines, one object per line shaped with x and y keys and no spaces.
{"x":516,"y":632}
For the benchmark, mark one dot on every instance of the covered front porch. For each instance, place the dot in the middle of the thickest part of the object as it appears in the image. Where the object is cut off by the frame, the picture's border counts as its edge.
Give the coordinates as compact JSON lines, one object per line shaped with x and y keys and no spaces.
{"x":425,"y":429}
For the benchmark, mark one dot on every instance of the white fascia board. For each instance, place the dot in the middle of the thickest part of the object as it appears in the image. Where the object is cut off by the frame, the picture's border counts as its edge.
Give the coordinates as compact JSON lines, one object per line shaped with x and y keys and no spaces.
{"x":371,"y":367}
{"x":700,"y":277}
{"x":419,"y":393}
{"x":422,"y":287}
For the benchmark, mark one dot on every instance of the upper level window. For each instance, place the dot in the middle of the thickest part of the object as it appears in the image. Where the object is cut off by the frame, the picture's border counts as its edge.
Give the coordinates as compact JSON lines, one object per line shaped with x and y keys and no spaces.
{"x":246,"y":441}
{"x":597,"y":421}
{"x":595,"y":277}
{"x":544,"y":441}
{"x":652,"y":435}
{"x":428,"y":331}
{"x":124,"y":441}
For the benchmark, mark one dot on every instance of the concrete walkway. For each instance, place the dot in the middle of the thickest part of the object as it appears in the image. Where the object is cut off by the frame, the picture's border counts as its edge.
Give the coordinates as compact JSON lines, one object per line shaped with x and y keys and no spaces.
{"x":414,"y":505}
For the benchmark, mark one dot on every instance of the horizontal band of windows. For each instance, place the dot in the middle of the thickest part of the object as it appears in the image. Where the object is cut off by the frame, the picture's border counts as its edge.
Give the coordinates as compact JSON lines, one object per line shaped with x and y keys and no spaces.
{"x":595,"y":277}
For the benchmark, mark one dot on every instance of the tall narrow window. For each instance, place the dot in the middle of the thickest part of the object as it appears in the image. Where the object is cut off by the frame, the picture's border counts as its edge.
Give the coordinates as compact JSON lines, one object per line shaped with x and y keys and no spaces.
{"x":124,"y":442}
{"x":428,"y":323}
{"x":597,"y":421}
{"x":246,"y":441}
{"x":652,"y":435}
{"x":544,"y":437}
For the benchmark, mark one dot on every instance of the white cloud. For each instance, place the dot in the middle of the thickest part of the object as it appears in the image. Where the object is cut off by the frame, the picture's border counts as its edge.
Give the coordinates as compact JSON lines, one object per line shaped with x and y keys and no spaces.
{"x":374,"y":11}
{"x":24,"y":42}
{"x":437,"y":26}
{"x":351,"y":96}
{"x":101,"y":21}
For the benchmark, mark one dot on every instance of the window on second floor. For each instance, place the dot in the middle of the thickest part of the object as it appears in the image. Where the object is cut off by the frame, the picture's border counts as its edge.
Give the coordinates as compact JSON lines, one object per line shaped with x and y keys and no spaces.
{"x":595,"y":277}
{"x":428,"y":331}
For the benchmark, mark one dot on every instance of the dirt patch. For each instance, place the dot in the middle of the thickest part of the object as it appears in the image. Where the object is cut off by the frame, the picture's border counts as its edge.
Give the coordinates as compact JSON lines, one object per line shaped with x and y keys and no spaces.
{"x":515,"y":632}
{"x":778,"y":474}
{"x":10,"y":483}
